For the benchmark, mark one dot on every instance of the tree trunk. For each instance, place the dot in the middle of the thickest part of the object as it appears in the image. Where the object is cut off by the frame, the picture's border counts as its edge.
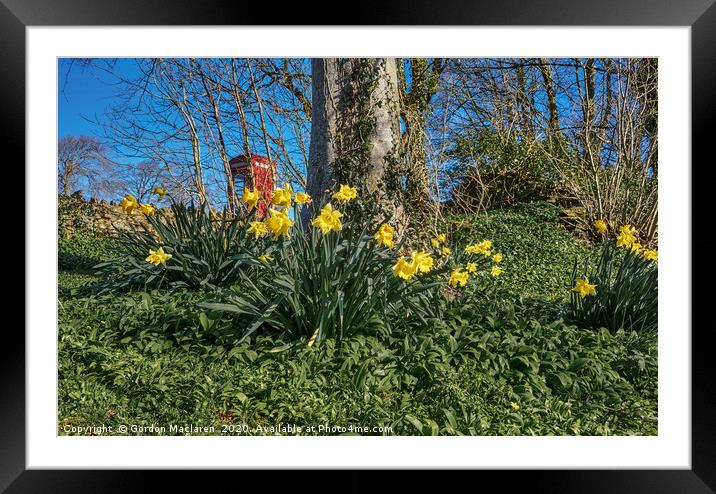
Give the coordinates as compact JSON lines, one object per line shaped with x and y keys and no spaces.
{"x":355,"y":132}
{"x":424,"y":78}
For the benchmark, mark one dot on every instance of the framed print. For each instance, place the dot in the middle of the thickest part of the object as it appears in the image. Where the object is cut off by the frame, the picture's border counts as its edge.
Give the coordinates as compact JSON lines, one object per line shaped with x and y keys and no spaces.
{"x":424,"y":246}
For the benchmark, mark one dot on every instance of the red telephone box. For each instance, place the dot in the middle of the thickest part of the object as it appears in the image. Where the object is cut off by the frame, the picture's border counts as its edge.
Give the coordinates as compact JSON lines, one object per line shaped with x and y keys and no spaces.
{"x":264,"y":171}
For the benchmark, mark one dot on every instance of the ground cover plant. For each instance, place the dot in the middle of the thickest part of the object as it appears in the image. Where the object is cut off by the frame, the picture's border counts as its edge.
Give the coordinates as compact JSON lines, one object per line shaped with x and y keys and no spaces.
{"x":480,"y":349}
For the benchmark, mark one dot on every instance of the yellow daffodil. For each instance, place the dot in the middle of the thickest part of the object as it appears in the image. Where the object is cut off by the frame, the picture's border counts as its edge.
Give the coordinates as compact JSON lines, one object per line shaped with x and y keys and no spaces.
{"x":458,"y":278}
{"x":147,"y":209}
{"x":158,"y":256}
{"x":440,"y":239}
{"x":650,"y":254}
{"x":479,"y":248}
{"x":497,"y":258}
{"x":250,"y":198}
{"x":600,"y":226}
{"x":626,"y":237}
{"x":328,"y":219}
{"x":471,"y":267}
{"x":278,"y":223}
{"x":384,"y":236}
{"x":446,"y":251}
{"x":265,"y":258}
{"x":636,"y":247}
{"x":514,"y":405}
{"x":584,"y":288}
{"x":496,"y":271}
{"x":258,"y":228}
{"x":423,"y":261}
{"x":160,"y":192}
{"x":345,"y":193}
{"x":404,"y":269}
{"x":302,"y":198}
{"x":282,"y":197}
{"x":129,"y":203}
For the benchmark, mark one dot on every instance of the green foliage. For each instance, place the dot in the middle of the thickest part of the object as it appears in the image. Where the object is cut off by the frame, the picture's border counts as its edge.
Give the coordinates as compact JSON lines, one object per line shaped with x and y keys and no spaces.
{"x":329,"y":285}
{"x":152,"y":358}
{"x":496,"y":170}
{"x":626,"y":293}
{"x":75,"y":283}
{"x":541,"y":356}
{"x":76,"y":255}
{"x":206,"y":251}
{"x":538,"y":251}
{"x":165,"y":358}
{"x":82,"y":251}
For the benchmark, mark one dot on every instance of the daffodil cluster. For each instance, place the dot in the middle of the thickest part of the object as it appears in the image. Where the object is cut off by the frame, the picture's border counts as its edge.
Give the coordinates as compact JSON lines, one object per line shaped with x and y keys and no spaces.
{"x":277,"y":222}
{"x":438,"y":240}
{"x":627,"y":238}
{"x":419,"y":262}
{"x":458,"y":278}
{"x":129,"y":203}
{"x":439,"y":245}
{"x":476,"y":254}
{"x":599,"y":299}
{"x":483,"y":250}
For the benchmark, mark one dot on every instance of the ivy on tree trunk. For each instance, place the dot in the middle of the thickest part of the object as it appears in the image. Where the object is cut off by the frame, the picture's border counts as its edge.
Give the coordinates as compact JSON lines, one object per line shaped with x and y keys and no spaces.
{"x":355,"y":133}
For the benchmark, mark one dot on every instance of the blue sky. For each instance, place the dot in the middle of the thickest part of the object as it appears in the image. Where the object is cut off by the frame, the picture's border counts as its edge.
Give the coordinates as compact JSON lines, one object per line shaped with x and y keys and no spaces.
{"x":83,"y":95}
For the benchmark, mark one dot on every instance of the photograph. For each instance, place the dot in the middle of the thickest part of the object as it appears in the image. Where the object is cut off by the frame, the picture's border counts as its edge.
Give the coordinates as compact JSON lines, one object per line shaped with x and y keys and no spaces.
{"x":357,"y":246}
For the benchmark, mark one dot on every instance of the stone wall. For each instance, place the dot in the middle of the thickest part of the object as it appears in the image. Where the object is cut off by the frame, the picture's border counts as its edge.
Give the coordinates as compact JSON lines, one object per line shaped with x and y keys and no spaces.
{"x":95,"y":217}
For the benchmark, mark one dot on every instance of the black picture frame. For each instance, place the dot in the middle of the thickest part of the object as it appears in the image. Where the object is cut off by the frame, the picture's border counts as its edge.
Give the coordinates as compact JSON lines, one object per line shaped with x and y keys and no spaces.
{"x":16,"y":15}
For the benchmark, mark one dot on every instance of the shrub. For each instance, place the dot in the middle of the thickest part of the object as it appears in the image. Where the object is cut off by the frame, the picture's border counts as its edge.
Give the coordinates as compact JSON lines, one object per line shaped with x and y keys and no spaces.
{"x":621,"y":291}
{"x":497,"y":170}
{"x":203,"y":251}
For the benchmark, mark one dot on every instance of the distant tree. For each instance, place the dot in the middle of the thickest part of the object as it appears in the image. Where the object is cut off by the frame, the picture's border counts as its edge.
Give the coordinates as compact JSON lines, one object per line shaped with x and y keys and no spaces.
{"x":189,"y":116}
{"x":79,"y":157}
